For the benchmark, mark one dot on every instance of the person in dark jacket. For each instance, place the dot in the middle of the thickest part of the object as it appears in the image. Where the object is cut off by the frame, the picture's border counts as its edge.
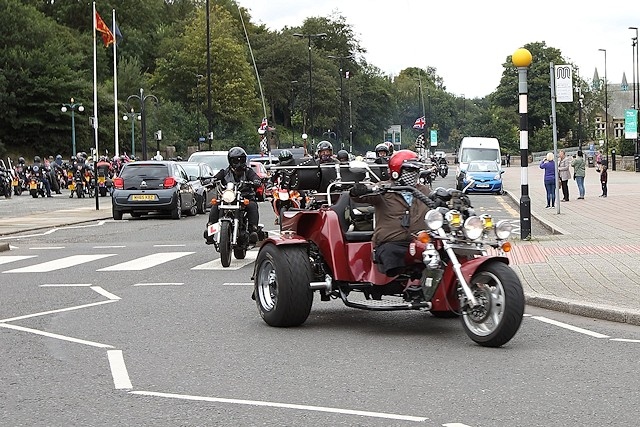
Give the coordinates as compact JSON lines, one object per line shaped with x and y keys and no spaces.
{"x":549,"y":167}
{"x":237,"y":171}
{"x":397,"y":215}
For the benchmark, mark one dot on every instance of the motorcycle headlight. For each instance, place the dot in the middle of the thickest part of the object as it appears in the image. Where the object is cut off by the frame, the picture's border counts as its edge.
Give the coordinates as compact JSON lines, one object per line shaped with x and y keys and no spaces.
{"x":284,"y":195}
{"x":228,"y":196}
{"x":503,"y":229}
{"x":473,"y":228}
{"x":433,"y":219}
{"x":454,"y":218}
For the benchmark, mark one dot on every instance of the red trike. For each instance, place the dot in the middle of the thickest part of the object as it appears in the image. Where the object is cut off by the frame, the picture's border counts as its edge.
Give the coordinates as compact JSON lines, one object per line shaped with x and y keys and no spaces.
{"x":450,"y":272}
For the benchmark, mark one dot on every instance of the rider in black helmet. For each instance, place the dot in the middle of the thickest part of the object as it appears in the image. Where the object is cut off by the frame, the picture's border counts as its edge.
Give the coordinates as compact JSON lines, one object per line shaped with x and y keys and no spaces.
{"x":38,"y":170}
{"x":238,"y":171}
{"x":325,"y":153}
{"x":382,"y":154}
{"x":343,"y":156}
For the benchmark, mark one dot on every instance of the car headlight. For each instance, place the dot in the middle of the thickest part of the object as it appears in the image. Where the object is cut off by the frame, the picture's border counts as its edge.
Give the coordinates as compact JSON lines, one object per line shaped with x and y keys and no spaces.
{"x":228,"y":196}
{"x":468,"y":177}
{"x":454,"y":218}
{"x":473,"y":228}
{"x":434,"y":219}
{"x":503,"y":229}
{"x":497,"y":176}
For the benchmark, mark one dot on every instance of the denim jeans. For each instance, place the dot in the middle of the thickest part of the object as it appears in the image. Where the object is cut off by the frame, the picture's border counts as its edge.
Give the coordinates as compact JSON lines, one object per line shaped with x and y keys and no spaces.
{"x":580,"y":182}
{"x":550,"y":186}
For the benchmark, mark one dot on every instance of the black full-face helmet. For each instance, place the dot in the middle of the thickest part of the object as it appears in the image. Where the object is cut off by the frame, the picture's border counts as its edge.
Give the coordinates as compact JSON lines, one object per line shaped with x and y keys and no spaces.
{"x":36,"y":159}
{"x":21,"y":160}
{"x":237,"y":158}
{"x":285,"y":156}
{"x":343,"y":155}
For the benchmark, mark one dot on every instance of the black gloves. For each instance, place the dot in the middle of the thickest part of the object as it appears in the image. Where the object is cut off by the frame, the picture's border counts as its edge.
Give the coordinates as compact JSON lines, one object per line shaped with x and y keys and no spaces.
{"x":358,"y":190}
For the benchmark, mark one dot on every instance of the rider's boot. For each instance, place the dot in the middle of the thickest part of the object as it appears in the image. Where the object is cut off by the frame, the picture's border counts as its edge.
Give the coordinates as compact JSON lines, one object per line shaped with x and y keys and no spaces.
{"x":207,"y":239}
{"x":253,"y":235}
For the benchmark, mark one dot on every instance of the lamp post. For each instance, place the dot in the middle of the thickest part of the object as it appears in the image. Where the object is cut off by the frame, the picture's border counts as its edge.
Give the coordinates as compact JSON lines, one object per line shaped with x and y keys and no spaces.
{"x":580,"y":107}
{"x":293,"y":83}
{"x":522,"y":58}
{"x":133,"y":116}
{"x":142,"y":99}
{"x":606,"y":109}
{"x":309,"y":37}
{"x":341,"y":129}
{"x":636,"y":95}
{"x":304,"y":143}
{"x":73,"y":106}
{"x":198,"y":77}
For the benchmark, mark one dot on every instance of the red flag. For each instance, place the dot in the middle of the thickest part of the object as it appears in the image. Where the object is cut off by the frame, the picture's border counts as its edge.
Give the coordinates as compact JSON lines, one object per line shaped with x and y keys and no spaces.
{"x":419,"y":123}
{"x":107,"y":35}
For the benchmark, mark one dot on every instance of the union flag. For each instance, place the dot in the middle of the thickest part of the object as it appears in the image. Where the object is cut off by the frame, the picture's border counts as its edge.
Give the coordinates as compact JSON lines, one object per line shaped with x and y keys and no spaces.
{"x":419,"y":123}
{"x":107,"y":35}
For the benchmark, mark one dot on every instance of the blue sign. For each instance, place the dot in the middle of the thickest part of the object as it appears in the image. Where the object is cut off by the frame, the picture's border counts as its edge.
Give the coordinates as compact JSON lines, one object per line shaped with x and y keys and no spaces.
{"x":202,"y":139}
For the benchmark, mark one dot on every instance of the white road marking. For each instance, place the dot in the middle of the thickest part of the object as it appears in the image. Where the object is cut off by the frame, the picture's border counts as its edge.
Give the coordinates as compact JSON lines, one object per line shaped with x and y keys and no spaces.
{"x":624,"y":340}
{"x":44,"y":248}
{"x":12,"y":248}
{"x":53,"y":230}
{"x":236,"y":264}
{"x":119,"y":370}
{"x":104,"y":293}
{"x":56,"y":336}
{"x":238,"y":284}
{"x":570,"y":327}
{"x":59,"y":264}
{"x":61,"y":285}
{"x":146,"y":261}
{"x":159,"y":284}
{"x":11,"y":258}
{"x":109,"y":247}
{"x":168,"y":246}
{"x":60,"y":310}
{"x":454,"y":425}
{"x":282,"y":405}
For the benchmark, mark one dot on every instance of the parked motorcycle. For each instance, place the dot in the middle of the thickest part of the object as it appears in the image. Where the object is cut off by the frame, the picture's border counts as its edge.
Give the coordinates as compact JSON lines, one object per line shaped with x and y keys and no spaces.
{"x":6,"y":180}
{"x":450,"y":271}
{"x":231,"y":232}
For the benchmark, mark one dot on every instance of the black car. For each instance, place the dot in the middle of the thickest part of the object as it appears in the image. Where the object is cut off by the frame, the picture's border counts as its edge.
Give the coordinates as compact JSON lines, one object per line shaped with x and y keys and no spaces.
{"x":153,"y":186}
{"x":201,"y":179}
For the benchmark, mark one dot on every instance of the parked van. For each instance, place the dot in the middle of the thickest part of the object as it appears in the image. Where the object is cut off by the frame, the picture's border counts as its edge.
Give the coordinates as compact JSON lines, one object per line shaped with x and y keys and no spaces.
{"x":476,"y":148}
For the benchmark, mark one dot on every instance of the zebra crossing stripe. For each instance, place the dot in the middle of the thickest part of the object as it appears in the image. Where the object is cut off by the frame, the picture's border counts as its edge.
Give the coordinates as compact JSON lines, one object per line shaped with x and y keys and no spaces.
{"x":59,"y":264}
{"x":146,"y":261}
{"x":236,"y":264}
{"x":11,"y":258}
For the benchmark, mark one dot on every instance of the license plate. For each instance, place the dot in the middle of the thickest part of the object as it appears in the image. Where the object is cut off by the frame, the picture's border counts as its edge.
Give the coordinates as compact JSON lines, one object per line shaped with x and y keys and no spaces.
{"x":33,"y":186}
{"x":143,"y":197}
{"x":482,"y":185}
{"x":212,"y":229}
{"x":72,"y":186}
{"x":14,"y":182}
{"x":101,"y":180}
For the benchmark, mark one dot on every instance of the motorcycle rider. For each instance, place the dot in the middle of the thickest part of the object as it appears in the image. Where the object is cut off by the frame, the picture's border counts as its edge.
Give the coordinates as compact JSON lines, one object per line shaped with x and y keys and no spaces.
{"x":238,"y":171}
{"x":38,"y":170}
{"x":325,"y":153}
{"x":397,"y":215}
{"x":382,"y":154}
{"x":343,"y":156}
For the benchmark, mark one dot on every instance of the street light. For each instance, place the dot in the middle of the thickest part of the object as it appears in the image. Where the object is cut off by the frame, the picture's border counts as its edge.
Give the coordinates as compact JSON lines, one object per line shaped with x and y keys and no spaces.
{"x":73,"y":106}
{"x":198,"y":77}
{"x":341,"y":130}
{"x":606,"y":109}
{"x":636,"y":95}
{"x":293,"y":83}
{"x":142,"y":99}
{"x":133,"y":116}
{"x":309,"y":36}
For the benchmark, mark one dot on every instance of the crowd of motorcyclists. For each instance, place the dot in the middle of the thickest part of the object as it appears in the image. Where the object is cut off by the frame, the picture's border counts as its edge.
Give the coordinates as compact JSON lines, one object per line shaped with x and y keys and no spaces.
{"x":81,"y":174}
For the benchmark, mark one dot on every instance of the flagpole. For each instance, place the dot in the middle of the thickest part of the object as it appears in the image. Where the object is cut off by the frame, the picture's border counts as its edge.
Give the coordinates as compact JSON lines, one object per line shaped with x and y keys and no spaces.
{"x":115,"y":86}
{"x":95,"y":93}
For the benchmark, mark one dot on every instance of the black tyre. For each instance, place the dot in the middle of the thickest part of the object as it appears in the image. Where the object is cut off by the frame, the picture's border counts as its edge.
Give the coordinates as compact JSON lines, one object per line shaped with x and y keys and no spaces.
{"x":103,"y":191}
{"x":281,"y":285}
{"x":34,"y":193}
{"x":17,"y":191}
{"x":499,"y":291}
{"x":193,"y":210}
{"x":239,"y":253}
{"x":117,"y":215}
{"x":176,"y":212}
{"x":79,"y":191}
{"x":225,"y":243}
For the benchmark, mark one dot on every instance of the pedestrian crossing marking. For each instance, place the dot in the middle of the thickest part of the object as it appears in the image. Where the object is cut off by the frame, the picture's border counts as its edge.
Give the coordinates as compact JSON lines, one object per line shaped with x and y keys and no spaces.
{"x":146,"y":262}
{"x":236,"y":264}
{"x":12,"y":258}
{"x":59,"y":264}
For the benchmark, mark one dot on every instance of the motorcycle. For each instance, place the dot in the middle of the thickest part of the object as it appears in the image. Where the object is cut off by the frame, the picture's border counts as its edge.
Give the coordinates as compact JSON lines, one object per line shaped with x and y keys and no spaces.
{"x":231,"y":232}
{"x":78,"y":184}
{"x":283,"y":200}
{"x":443,"y":168}
{"x":6,"y":180}
{"x":89,"y":183}
{"x":19,"y":182}
{"x":36,"y":186}
{"x":450,"y":270}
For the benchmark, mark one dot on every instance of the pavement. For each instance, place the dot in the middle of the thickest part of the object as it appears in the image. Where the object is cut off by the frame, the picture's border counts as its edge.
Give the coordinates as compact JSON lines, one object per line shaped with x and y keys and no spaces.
{"x":588,"y":266}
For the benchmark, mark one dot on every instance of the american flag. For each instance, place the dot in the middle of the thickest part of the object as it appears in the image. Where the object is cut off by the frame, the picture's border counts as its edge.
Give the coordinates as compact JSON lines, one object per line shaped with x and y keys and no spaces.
{"x":419,"y":123}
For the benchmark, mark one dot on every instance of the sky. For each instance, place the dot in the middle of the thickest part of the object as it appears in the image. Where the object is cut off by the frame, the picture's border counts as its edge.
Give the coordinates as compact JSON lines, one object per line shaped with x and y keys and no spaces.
{"x":467,"y":41}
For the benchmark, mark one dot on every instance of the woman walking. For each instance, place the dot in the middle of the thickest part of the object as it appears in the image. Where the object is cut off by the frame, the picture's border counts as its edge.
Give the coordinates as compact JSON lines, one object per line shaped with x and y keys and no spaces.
{"x":549,"y":167}
{"x":564,"y":174}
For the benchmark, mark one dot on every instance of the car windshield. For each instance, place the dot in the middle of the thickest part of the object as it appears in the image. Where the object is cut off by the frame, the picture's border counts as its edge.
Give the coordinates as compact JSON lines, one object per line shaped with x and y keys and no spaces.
{"x":483,"y":167}
{"x":191,"y":169}
{"x":216,"y":162}
{"x":145,"y":171}
{"x":471,"y":154}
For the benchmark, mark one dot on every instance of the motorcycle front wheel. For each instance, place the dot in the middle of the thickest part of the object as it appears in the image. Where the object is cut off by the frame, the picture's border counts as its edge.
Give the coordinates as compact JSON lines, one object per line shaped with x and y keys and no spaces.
{"x":499,"y":291}
{"x":281,"y":286}
{"x":225,"y":243}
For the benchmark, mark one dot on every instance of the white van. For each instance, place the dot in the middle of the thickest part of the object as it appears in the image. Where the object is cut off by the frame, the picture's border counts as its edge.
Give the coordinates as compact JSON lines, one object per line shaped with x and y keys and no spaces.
{"x":477,"y":148}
